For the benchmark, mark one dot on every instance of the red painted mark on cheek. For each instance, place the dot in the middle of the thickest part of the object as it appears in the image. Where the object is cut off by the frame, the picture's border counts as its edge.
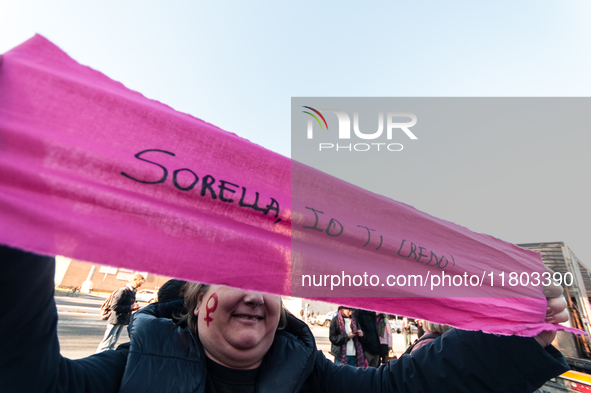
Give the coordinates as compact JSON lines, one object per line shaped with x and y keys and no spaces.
{"x":210,"y":309}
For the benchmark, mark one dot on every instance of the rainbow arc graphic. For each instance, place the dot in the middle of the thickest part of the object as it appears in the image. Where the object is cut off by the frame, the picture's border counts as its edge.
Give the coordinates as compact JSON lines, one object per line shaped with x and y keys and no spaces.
{"x":314,"y":116}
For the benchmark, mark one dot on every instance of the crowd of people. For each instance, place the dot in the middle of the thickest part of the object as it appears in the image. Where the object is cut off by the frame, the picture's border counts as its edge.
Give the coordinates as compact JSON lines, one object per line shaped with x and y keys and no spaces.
{"x":221,"y":339}
{"x":362,"y":338}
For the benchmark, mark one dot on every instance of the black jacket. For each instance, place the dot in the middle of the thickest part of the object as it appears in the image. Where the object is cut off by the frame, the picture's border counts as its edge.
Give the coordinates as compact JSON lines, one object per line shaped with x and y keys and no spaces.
{"x":163,"y":357}
{"x":336,"y":338}
{"x":366,"y":321}
{"x":123,"y":300}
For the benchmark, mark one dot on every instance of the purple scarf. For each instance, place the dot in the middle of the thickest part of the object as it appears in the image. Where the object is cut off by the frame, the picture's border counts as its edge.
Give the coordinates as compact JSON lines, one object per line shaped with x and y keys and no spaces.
{"x":358,"y":348}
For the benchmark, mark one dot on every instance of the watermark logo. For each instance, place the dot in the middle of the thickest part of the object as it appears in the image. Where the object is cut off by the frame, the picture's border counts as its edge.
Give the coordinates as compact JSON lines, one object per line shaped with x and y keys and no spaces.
{"x":310,"y":120}
{"x":395,"y":121}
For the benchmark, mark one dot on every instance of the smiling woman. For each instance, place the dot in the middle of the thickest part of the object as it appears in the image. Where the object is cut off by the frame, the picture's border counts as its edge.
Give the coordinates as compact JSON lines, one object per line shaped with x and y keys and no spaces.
{"x":239,"y":327}
{"x":236,"y":326}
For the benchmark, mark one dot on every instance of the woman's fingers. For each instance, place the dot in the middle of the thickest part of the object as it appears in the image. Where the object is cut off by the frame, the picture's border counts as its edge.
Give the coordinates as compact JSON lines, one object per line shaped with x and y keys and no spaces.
{"x":556,"y":311}
{"x":554,"y":289}
{"x":558,"y":318}
{"x":555,"y":305}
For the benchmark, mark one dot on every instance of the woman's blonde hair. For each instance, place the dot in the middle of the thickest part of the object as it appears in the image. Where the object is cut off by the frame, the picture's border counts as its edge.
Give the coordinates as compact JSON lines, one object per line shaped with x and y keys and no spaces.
{"x":435,"y":327}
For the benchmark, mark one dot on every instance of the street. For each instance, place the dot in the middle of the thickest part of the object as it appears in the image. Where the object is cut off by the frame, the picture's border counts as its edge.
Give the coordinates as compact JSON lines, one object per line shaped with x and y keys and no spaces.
{"x":80,"y":328}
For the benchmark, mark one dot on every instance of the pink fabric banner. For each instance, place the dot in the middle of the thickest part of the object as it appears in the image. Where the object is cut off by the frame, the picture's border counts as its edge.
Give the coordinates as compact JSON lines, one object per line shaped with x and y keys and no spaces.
{"x":94,"y":171}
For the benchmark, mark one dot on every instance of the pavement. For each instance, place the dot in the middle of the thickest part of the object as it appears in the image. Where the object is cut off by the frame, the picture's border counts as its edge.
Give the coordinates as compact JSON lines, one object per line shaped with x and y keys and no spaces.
{"x":80,"y":328}
{"x":82,"y":303}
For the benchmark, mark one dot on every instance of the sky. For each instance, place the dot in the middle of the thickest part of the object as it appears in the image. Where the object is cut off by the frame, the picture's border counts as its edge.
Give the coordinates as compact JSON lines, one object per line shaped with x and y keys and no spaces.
{"x":237,"y":65}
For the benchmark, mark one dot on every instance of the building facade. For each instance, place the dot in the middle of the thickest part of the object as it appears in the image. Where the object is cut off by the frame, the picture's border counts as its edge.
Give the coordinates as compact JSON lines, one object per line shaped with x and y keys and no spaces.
{"x":92,"y":277}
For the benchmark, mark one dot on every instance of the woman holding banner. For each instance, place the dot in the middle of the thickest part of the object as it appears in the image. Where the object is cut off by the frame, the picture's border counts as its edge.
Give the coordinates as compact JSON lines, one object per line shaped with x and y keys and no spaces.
{"x":237,"y":341}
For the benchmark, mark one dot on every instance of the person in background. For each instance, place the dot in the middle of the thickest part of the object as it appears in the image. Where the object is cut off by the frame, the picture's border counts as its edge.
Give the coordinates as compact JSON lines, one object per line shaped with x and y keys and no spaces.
{"x":370,"y":340}
{"x":344,"y":334}
{"x":420,"y":330}
{"x":121,"y":308}
{"x":432,"y":332}
{"x":171,"y":290}
{"x":406,"y":332}
{"x":385,"y":336}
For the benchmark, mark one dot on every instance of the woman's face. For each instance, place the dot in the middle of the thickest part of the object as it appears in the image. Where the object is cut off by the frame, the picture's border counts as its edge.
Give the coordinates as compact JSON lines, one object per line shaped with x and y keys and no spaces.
{"x":347,"y":312}
{"x":237,"y":327}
